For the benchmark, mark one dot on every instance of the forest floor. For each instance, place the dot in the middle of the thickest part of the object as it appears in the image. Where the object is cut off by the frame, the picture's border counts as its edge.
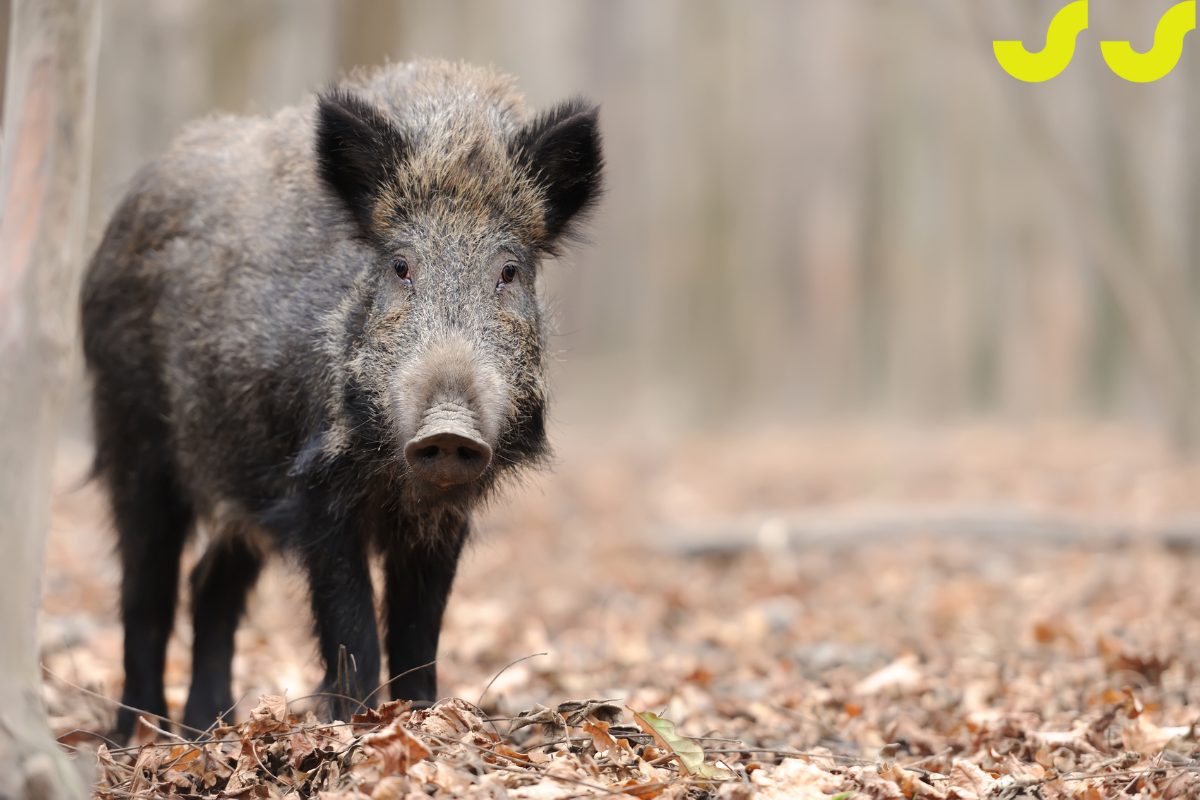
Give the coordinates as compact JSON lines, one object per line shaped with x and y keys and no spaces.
{"x":950,"y":613}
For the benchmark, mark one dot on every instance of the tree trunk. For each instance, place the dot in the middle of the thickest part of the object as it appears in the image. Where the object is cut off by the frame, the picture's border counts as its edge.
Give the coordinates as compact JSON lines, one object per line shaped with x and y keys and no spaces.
{"x":44,"y":169}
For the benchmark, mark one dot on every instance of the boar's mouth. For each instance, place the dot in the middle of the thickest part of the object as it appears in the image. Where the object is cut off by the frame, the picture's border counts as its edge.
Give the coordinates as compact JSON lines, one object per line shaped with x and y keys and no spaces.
{"x":448,"y":449}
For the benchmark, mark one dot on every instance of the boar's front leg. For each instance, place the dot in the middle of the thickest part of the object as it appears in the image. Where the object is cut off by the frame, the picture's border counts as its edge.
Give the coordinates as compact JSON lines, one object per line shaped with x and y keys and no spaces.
{"x":419,"y":577}
{"x":343,"y":604}
{"x":220,"y":583}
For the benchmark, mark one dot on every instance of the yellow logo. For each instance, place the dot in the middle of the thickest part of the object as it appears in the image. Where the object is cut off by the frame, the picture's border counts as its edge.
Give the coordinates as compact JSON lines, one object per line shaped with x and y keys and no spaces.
{"x":1069,"y":22}
{"x":1054,"y":57}
{"x":1163,"y":56}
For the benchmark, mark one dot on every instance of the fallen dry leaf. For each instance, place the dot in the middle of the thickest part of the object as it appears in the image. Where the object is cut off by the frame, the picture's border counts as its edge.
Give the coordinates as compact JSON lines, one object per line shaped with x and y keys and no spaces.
{"x":269,"y":715}
{"x":969,"y":782}
{"x":450,"y":718}
{"x":575,"y":712}
{"x":901,"y":675}
{"x":690,"y":754}
{"x":795,"y":779}
{"x":538,"y":715}
{"x":393,"y":750}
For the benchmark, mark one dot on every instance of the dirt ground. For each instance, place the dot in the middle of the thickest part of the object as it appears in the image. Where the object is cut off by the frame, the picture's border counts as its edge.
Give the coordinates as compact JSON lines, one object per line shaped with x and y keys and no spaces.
{"x":1015,"y":609}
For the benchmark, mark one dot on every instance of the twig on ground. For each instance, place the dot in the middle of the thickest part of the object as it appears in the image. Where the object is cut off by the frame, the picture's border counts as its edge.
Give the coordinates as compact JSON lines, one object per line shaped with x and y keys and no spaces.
{"x":221,"y":717}
{"x":74,"y":731}
{"x":1135,"y":772}
{"x":114,"y":702}
{"x":143,"y":721}
{"x":363,"y":703}
{"x":920,"y":761}
{"x":501,"y":672}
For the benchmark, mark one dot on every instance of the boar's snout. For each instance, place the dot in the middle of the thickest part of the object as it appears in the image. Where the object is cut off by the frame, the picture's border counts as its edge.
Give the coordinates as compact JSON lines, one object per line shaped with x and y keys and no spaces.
{"x":447,"y":450}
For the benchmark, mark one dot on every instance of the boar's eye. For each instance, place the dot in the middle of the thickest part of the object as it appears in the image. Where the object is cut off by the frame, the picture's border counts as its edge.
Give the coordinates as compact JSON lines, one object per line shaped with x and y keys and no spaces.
{"x":402,"y":270}
{"x":507,"y":275}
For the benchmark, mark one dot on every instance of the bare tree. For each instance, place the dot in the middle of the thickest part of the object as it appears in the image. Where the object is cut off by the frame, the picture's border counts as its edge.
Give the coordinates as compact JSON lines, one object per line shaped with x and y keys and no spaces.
{"x":50,"y":86}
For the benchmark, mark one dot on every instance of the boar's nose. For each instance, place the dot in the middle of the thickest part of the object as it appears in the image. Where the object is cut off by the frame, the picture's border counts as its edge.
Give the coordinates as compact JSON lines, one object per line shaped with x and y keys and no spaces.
{"x":448,"y":458}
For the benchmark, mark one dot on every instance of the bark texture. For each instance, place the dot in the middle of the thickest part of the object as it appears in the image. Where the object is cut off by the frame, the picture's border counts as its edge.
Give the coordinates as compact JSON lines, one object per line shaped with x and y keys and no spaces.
{"x":50,"y":86}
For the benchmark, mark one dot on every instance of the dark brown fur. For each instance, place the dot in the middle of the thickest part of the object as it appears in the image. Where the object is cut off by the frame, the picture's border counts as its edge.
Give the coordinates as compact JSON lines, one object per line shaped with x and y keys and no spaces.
{"x":259,"y":364}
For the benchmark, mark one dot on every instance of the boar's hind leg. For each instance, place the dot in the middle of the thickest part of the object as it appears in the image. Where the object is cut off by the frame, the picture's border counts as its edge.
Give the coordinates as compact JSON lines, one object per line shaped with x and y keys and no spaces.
{"x":419,"y":579}
{"x":220,"y":583}
{"x":152,"y":522}
{"x":343,"y":604}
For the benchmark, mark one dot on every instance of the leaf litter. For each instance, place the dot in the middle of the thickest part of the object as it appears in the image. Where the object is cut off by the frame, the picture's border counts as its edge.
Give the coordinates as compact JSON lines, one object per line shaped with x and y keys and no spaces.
{"x":916,"y":666}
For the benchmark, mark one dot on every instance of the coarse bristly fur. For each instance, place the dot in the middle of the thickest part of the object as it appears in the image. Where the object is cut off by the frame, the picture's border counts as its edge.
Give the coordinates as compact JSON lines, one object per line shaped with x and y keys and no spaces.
{"x":277,"y":307}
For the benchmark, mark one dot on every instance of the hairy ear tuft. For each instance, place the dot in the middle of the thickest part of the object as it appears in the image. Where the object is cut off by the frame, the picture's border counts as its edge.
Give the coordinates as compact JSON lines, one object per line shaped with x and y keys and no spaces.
{"x":561,"y":151}
{"x":356,"y":148}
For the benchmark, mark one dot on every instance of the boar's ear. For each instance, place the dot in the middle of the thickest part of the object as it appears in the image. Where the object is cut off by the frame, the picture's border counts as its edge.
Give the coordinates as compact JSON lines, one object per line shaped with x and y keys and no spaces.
{"x":357,"y":150}
{"x":561,"y":150}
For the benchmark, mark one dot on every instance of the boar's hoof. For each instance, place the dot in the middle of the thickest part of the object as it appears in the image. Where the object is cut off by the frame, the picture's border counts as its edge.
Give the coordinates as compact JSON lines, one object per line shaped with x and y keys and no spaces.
{"x":447,"y":458}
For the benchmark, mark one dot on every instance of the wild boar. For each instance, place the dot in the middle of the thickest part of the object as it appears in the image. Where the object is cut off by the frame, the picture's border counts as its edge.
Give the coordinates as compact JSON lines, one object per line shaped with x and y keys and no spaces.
{"x":319,"y":334}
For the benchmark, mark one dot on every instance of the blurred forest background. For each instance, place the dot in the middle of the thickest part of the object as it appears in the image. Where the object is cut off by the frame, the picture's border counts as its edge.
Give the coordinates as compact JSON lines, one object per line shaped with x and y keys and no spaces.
{"x":836,"y":237}
{"x":815,"y":208}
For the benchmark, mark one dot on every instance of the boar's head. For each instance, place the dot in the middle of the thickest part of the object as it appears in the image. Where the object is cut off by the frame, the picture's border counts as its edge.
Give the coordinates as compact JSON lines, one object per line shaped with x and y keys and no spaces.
{"x":458,"y":195}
